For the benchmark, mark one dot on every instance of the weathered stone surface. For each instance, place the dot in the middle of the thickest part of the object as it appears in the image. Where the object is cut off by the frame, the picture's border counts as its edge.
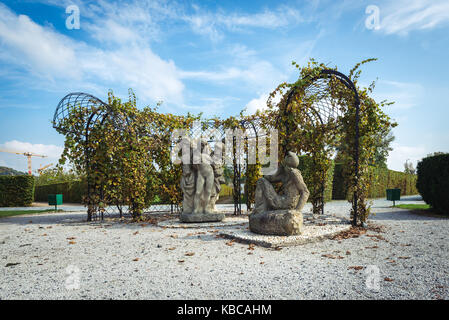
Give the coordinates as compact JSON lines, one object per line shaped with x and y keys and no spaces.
{"x":201,"y":217}
{"x":277,"y":222}
{"x":280,"y":213}
{"x":200,"y":184}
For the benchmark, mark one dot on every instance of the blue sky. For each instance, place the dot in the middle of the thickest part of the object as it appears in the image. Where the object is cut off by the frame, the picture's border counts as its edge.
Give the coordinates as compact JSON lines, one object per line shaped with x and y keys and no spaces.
{"x":218,"y":57}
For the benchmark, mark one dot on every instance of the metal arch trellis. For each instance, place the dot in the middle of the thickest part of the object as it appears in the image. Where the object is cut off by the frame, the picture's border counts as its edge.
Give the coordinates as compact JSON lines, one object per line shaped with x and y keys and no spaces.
{"x":324,"y":108}
{"x":96,"y":113}
{"x":321,"y":110}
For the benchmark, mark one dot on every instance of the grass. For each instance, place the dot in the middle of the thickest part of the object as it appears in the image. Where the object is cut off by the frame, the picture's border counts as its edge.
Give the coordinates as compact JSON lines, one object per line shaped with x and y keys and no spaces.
{"x":413,"y":206}
{"x":422,"y":209}
{"x":10,"y":213}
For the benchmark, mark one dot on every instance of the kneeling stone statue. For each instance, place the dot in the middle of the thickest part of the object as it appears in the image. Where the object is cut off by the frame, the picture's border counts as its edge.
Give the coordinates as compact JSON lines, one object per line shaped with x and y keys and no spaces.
{"x":280,"y":213}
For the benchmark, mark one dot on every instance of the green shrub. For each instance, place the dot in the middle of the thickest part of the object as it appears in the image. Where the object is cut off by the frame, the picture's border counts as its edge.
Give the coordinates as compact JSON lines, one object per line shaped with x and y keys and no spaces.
{"x":16,"y":191}
{"x":304,"y":167}
{"x":433,"y":182}
{"x":72,"y":191}
{"x":381,"y":179}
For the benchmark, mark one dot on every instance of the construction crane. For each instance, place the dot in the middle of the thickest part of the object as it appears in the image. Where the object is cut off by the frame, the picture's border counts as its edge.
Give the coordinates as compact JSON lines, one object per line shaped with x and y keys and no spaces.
{"x":43,"y":168}
{"x":26,"y":154}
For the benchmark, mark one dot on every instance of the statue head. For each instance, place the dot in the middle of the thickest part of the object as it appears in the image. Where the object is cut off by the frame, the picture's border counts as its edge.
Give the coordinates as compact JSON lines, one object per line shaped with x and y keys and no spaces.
{"x":291,"y":160}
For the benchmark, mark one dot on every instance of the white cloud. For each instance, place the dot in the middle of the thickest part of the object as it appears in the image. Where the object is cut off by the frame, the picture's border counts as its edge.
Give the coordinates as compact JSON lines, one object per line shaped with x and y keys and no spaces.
{"x":38,"y":49}
{"x":260,"y":103}
{"x":213,"y":24}
{"x":19,"y":162}
{"x":400,"y":154}
{"x":55,"y":57}
{"x":401,"y":17}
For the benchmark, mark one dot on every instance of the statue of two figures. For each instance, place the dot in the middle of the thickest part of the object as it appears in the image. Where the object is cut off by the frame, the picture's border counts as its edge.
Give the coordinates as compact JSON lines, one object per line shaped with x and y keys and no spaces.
{"x":274,"y":213}
{"x":201,"y":184}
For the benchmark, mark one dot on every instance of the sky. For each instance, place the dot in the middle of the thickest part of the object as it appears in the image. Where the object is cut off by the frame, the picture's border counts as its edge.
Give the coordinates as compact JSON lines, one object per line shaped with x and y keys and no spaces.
{"x":218,"y":57}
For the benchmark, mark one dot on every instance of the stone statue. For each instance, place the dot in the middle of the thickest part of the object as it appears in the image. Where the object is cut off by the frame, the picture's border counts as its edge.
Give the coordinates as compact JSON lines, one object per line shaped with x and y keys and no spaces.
{"x":201,"y":184}
{"x":280,"y":213}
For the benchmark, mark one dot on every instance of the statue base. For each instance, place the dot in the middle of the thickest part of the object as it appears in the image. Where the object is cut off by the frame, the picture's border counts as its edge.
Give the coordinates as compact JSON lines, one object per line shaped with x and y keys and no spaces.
{"x":201,"y":217}
{"x":277,"y":222}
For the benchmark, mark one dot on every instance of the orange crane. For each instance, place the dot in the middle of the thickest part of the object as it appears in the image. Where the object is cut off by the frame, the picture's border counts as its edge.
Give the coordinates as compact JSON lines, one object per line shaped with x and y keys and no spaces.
{"x":43,"y":168}
{"x":26,"y":154}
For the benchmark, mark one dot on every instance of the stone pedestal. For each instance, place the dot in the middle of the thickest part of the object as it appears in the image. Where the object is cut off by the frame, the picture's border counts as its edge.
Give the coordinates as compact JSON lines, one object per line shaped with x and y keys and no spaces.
{"x":201,"y":217}
{"x":277,"y":222}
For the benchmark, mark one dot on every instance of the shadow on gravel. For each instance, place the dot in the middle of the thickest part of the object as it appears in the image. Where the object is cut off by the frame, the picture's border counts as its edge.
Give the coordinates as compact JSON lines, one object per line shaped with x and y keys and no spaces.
{"x":407,"y":215}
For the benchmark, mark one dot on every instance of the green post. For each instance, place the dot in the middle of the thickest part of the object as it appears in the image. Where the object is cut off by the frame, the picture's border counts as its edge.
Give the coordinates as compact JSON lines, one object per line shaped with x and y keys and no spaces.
{"x":54,"y":200}
{"x":393,"y":195}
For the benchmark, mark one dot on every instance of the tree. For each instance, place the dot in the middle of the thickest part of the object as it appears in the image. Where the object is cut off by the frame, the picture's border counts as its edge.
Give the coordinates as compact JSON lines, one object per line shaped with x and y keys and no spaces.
{"x":408,"y":167}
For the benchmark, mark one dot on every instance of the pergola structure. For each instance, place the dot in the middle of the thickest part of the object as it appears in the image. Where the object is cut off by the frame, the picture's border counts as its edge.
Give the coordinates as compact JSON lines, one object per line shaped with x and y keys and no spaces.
{"x":322,"y":110}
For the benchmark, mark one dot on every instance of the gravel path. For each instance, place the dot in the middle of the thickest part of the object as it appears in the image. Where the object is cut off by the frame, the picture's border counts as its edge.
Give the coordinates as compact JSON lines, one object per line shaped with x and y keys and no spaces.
{"x":58,"y":256}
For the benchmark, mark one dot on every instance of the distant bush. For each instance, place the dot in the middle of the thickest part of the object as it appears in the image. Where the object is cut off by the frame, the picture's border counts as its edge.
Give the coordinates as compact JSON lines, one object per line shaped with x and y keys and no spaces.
{"x":433,"y":181}
{"x":381,"y":179}
{"x":72,"y":192}
{"x":16,"y":191}
{"x":305,"y":165}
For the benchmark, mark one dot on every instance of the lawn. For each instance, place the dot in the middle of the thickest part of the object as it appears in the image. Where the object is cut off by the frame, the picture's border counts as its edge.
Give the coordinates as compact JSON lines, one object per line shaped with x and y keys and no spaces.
{"x":413,"y":206}
{"x":10,"y":213}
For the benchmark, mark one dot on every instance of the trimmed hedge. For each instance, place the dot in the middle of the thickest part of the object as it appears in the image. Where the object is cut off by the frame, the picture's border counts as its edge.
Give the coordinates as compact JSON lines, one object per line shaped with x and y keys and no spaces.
{"x":72,"y":191}
{"x":433,"y":182}
{"x":16,"y":191}
{"x":304,"y":167}
{"x":381,"y":179}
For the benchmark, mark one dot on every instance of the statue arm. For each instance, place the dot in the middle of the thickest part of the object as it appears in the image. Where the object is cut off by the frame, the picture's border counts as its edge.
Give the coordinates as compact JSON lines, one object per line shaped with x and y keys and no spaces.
{"x":276,"y":177}
{"x":303,"y":191}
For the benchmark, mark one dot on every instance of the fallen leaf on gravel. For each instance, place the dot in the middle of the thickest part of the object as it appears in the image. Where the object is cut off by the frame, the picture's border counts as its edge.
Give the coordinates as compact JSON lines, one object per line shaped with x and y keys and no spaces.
{"x":136,"y":259}
{"x":189,"y":254}
{"x":49,"y":227}
{"x":72,"y":242}
{"x":172,"y":248}
{"x":44,"y":235}
{"x":356,"y":267}
{"x":348,"y":253}
{"x":12,"y":264}
{"x":71,"y":238}
{"x":174,"y":236}
{"x":406,"y":244}
{"x":250,"y":253}
{"x":230,"y":243}
{"x":135,"y":233}
{"x":403,"y":257}
{"x":392,"y":261}
{"x":388,"y":279}
{"x":190,"y":234}
{"x":262,"y":262}
{"x":181,"y":261}
{"x":373,"y":247}
{"x":251,"y":246}
{"x":354,"y":232}
{"x":278,"y":248}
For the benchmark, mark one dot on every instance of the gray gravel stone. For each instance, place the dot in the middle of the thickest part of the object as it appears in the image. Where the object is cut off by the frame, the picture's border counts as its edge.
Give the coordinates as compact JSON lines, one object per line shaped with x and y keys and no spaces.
{"x":411,"y":251}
